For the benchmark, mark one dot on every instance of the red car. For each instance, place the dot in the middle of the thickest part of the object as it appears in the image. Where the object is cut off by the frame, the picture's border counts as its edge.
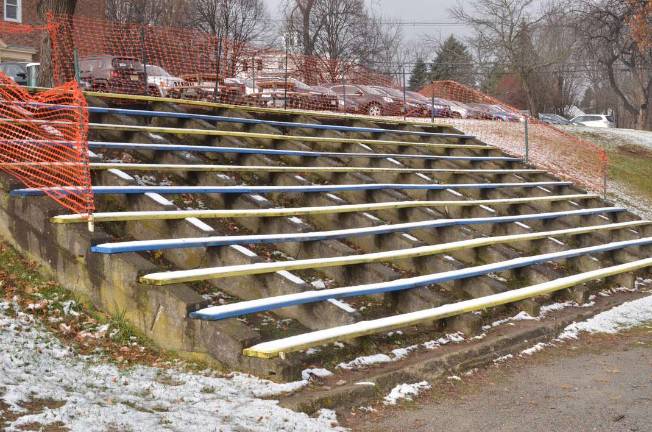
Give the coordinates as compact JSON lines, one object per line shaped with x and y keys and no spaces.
{"x":368,"y":100}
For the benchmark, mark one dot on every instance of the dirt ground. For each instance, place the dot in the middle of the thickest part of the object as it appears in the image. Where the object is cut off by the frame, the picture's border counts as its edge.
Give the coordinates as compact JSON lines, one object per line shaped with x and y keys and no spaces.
{"x":599,"y":383}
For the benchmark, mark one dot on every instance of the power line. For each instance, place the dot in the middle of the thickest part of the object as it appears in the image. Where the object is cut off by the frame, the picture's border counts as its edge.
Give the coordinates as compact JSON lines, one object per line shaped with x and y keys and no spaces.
{"x":397,"y":23}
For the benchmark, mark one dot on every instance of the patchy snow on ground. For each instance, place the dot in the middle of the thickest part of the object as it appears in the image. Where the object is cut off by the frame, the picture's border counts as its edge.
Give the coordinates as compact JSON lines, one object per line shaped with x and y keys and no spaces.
{"x":308,"y":374}
{"x":622,"y":317}
{"x":534,"y":349}
{"x":521,"y":316}
{"x":363,"y":361}
{"x":97,"y":396}
{"x":405,"y":391}
{"x":503,"y":359}
{"x":400,"y":353}
{"x":616,"y":136}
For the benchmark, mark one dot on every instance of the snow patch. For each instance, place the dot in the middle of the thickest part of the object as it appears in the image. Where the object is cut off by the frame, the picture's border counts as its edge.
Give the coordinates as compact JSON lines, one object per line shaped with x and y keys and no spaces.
{"x":308,"y":374}
{"x":622,"y":317}
{"x":534,"y":349}
{"x":405,"y":391}
{"x":503,"y":359}
{"x":98,"y":396}
{"x":364,"y":361}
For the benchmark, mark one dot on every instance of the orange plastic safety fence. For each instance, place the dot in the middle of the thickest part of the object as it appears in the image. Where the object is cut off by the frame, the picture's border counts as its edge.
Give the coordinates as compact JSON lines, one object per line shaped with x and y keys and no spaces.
{"x":189,"y":64}
{"x":185,"y":63}
{"x":503,"y":126}
{"x":43,"y":141}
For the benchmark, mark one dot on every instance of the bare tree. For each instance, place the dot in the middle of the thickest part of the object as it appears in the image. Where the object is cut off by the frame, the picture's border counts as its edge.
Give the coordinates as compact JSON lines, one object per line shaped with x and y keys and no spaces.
{"x":610,"y":34}
{"x":556,"y":44}
{"x":341,"y":35}
{"x":304,"y":19}
{"x":152,"y":12}
{"x":65,"y":9}
{"x":239,"y":20}
{"x":509,"y":30}
{"x":236,"y":23}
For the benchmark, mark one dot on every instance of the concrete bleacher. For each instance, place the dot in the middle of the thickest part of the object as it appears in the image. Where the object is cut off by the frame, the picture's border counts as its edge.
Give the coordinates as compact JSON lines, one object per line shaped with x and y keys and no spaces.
{"x":345,"y":227}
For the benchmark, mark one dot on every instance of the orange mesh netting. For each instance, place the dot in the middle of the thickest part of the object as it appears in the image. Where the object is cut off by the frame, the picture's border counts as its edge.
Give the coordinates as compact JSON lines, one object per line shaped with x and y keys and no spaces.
{"x":43,"y":141}
{"x":503,"y":126}
{"x":189,"y":64}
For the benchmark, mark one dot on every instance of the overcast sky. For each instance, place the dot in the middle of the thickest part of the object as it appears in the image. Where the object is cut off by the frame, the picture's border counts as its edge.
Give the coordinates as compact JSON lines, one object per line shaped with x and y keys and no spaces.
{"x":421,"y":11}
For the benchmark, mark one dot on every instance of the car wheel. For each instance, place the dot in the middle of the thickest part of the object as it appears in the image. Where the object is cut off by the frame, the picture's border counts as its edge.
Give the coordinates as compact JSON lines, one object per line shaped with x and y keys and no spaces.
{"x":374,"y":110}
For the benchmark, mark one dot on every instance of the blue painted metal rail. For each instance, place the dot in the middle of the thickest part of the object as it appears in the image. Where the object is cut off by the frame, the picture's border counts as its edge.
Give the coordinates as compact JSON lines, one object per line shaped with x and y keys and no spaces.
{"x":156,"y":245}
{"x":215,"y":118}
{"x":272,"y":303}
{"x":131,"y":190}
{"x":93,"y":145}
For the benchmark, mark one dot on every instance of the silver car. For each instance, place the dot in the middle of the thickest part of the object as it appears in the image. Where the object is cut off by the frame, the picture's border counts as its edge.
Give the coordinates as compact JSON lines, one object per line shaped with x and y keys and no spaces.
{"x":595,"y":120}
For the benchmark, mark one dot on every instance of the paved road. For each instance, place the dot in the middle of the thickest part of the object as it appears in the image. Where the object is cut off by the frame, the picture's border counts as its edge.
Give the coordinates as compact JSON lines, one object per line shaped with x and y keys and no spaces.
{"x":602,"y":383}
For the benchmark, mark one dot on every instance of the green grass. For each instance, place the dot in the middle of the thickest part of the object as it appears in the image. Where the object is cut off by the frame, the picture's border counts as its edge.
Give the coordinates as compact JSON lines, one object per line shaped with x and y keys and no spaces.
{"x":632,"y":166}
{"x":22,"y":275}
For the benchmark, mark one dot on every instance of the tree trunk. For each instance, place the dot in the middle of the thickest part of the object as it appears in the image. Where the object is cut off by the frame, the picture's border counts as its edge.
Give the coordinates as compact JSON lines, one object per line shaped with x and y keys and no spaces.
{"x":642,"y":118}
{"x":65,"y":65}
{"x":532,"y":102}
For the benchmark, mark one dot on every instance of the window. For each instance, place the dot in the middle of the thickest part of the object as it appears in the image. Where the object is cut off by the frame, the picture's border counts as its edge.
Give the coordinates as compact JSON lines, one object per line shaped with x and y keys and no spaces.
{"x":13,"y":10}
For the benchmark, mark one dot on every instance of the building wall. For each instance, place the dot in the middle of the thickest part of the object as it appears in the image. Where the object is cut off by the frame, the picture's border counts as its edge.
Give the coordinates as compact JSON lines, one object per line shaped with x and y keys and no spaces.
{"x":25,"y":45}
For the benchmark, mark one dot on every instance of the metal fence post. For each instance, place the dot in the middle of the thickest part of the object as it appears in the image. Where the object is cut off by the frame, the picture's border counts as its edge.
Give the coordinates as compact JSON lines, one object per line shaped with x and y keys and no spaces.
{"x":404,"y":96}
{"x":143,"y":55}
{"x":285,"y":90}
{"x":75,"y":57}
{"x":218,"y":64}
{"x":253,"y":73}
{"x":343,"y":89}
{"x":432,"y":102}
{"x":527,"y":140}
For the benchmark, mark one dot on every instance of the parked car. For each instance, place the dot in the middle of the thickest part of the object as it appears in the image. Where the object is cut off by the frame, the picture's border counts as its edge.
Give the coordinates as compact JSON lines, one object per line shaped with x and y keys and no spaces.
{"x":594,"y":120}
{"x":119,"y":74}
{"x":417,"y":105}
{"x":299,"y":94}
{"x":496,"y":112}
{"x":22,"y":73}
{"x":466,"y":111}
{"x":202,"y":86}
{"x":327,"y":98}
{"x":159,"y":77}
{"x":341,"y":104}
{"x":553,"y":119}
{"x":442,"y":107}
{"x":368,"y":100}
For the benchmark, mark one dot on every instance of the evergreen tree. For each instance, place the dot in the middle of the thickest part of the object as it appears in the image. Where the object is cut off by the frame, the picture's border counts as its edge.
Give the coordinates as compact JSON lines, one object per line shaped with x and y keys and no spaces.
{"x":419,"y":76}
{"x":453,"y":62}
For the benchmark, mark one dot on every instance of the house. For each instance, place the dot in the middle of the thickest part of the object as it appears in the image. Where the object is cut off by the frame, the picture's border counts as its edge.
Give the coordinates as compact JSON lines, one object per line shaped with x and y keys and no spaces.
{"x":22,"y":43}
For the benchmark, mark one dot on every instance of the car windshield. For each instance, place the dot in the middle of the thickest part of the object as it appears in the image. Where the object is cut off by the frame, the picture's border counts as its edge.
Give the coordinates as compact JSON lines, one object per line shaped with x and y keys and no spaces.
{"x":417,"y":96}
{"x":479,"y":106}
{"x":13,"y":69}
{"x":127,"y":63}
{"x":154,"y":70}
{"x":298,"y":84}
{"x":458,"y":104}
{"x":372,"y":90}
{"x":441,"y":101}
{"x":392,"y":92}
{"x":322,"y":90}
